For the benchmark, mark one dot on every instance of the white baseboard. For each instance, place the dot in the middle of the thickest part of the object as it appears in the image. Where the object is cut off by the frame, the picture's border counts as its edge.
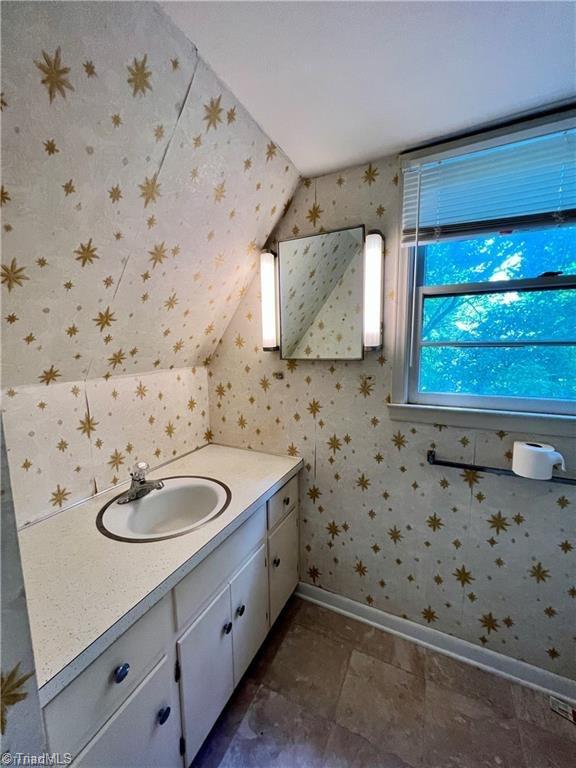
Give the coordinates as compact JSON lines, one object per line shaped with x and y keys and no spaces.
{"x":505,"y":666}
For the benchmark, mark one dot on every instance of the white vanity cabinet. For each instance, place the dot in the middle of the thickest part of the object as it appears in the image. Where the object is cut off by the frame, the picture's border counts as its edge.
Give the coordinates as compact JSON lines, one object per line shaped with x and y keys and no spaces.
{"x":216,"y":650}
{"x":283,"y":556}
{"x":145,"y":731}
{"x":184,"y":656}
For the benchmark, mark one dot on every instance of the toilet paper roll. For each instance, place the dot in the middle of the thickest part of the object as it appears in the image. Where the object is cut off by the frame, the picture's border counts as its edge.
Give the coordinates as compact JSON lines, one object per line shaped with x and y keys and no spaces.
{"x":535,"y":460}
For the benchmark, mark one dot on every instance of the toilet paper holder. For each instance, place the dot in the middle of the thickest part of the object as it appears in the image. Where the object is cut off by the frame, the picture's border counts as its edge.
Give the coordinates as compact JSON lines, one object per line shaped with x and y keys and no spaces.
{"x":431,"y":457}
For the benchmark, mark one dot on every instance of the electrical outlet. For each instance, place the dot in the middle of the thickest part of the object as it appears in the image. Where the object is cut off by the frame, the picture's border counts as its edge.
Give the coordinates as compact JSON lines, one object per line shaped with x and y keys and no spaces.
{"x":563,"y":708}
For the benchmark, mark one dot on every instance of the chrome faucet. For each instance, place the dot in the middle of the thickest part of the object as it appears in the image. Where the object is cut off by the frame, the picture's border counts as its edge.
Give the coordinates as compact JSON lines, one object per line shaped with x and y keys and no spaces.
{"x":140,"y":486}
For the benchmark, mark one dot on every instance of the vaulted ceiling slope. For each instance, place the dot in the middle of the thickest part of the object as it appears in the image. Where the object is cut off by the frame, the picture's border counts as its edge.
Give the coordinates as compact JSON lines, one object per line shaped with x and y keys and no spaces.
{"x":341,"y":83}
{"x":136,"y":193}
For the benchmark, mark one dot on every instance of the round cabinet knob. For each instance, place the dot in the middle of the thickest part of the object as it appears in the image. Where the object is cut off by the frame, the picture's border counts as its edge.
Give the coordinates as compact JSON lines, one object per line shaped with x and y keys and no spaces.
{"x":121,"y":672}
{"x":286,"y":500}
{"x":240,"y":611}
{"x":276,"y":562}
{"x":227,"y":628}
{"x":163,"y":715}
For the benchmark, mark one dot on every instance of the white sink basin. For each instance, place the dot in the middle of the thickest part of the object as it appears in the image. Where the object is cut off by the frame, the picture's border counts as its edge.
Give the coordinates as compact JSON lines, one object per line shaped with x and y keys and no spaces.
{"x":183,"y":505}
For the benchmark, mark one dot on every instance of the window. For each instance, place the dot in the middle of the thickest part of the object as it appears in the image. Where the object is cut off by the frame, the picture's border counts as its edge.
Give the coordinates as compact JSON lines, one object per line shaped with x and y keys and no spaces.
{"x":490,"y":233}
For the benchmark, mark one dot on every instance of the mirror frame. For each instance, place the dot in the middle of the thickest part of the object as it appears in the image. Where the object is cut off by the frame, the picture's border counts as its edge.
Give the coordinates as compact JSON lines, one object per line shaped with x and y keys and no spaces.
{"x":305,"y":237}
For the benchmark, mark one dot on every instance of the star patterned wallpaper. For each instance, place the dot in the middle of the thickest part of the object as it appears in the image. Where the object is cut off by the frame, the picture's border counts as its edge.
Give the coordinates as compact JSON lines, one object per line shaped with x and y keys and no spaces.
{"x":488,"y":559}
{"x":136,"y":194}
{"x":321,"y":295}
{"x":21,"y":728}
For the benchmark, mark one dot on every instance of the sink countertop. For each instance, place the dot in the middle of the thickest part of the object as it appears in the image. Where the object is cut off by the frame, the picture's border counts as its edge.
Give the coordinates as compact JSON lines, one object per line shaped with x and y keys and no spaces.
{"x":84,"y":589}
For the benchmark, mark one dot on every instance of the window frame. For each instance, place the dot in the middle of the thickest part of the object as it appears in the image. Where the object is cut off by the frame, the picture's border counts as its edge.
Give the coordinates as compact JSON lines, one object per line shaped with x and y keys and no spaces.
{"x":401,"y":409}
{"x":543,"y":406}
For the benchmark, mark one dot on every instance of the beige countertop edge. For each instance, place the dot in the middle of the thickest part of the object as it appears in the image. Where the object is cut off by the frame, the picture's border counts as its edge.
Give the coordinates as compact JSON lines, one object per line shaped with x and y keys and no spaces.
{"x":63,"y":677}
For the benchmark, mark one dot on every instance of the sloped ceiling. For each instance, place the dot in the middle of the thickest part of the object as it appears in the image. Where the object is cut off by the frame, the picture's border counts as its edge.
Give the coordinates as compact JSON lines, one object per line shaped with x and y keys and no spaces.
{"x":136,"y":193}
{"x":341,"y":83}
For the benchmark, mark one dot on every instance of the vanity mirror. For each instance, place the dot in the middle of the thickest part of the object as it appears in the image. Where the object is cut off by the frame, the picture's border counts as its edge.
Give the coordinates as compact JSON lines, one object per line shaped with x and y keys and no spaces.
{"x":321,"y":296}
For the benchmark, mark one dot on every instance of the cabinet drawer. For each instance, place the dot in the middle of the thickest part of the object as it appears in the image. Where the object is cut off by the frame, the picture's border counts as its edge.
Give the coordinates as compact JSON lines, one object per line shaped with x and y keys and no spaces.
{"x":143,"y":732}
{"x":283,"y":559}
{"x":192,"y":593}
{"x":76,"y":713}
{"x":282,"y":502}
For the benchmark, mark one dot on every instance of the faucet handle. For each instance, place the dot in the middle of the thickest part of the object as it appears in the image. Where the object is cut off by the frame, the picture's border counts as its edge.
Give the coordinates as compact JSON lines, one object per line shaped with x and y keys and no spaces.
{"x":139,"y":471}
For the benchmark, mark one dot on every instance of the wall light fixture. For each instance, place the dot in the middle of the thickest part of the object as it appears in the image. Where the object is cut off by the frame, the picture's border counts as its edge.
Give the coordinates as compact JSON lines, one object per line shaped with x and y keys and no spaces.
{"x":373,"y":288}
{"x":268,"y":289}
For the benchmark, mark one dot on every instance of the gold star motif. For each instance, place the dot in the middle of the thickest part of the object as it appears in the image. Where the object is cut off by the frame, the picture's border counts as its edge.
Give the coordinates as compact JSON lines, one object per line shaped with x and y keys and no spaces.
{"x":12,"y":691}
{"x":59,"y":496}
{"x":498,"y":522}
{"x":395,"y":534}
{"x":219,"y":192}
{"x":366,"y":387}
{"x":212,"y":113}
{"x":62,"y":445}
{"x":489,"y":623}
{"x":434,"y":522}
{"x":463,"y":576}
{"x":313,"y":493}
{"x":89,"y":68}
{"x":362,"y":482}
{"x":231,"y":115}
{"x":116,"y":460}
{"x":149,"y":190}
{"x":141,"y":391}
{"x":470,"y":476}
{"x":314,"y":213}
{"x":370,"y":175}
{"x":334,"y":444}
{"x":13,"y":275}
{"x":49,"y":376}
{"x":87,"y":425}
{"x":26,"y":464}
{"x":539,"y":573}
{"x":158,"y":254}
{"x":562,"y":502}
{"x":360,"y":568}
{"x":270,"y":151}
{"x":247,"y":163}
{"x":399,"y":440}
{"x":86,"y":253}
{"x":314,"y":408}
{"x":54,"y":73}
{"x":197,"y":141}
{"x":117,"y":358}
{"x":104,"y":319}
{"x":175,"y":64}
{"x":69,"y":188}
{"x":116,"y":120}
{"x":139,"y":76}
{"x":50,"y":147}
{"x":159,"y":132}
{"x":115,"y":193}
{"x":429,"y":615}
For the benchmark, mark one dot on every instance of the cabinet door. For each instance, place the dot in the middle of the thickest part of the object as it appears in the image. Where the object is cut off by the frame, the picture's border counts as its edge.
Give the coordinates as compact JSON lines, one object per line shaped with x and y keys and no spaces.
{"x":283,"y":558}
{"x":142,"y":732}
{"x":207,"y":677}
{"x":249,"y":591}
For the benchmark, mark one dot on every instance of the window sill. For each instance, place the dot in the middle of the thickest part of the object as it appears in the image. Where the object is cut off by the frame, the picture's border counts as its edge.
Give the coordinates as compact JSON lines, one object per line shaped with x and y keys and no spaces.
{"x":511,"y":421}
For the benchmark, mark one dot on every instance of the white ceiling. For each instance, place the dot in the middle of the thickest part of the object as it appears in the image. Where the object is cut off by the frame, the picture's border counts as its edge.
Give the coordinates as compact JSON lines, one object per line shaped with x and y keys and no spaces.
{"x":339,"y":83}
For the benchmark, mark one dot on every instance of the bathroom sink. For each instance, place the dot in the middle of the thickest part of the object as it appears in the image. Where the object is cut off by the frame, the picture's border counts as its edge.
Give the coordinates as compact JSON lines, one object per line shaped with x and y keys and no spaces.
{"x":184,"y":504}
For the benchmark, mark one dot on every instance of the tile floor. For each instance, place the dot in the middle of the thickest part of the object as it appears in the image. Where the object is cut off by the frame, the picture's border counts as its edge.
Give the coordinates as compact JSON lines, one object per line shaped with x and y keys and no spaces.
{"x":329,"y":692}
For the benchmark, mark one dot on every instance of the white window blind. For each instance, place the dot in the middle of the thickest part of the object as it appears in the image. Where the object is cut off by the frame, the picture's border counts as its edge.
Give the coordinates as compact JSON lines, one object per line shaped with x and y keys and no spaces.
{"x":526,"y":183}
